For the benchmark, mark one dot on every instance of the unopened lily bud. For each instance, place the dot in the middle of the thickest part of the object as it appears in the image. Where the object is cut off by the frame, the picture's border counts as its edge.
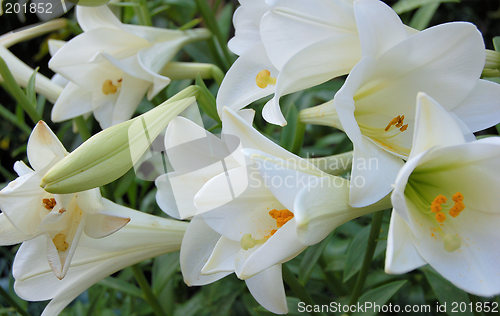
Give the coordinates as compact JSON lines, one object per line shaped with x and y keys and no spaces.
{"x":111,"y":153}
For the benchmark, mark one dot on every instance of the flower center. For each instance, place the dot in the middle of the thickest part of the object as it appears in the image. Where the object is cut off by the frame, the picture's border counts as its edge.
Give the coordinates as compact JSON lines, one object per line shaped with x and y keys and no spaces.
{"x":384,"y":136}
{"x":454,"y":211}
{"x":264,"y":79}
{"x":49,"y":203}
{"x":280,"y":216}
{"x":59,"y":241}
{"x":108,"y":87}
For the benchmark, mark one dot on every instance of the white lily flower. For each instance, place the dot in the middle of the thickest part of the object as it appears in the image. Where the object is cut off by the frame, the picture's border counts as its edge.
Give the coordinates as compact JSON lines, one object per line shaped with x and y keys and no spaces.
{"x":145,"y":237}
{"x":62,"y":218}
{"x":244,"y":222}
{"x":286,"y":46}
{"x":111,"y":66}
{"x":446,"y":204}
{"x":376,"y":105}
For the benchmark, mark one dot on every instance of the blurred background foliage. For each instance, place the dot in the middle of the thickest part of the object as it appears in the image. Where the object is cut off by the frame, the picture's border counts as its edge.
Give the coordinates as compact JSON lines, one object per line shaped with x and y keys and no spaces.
{"x":323,"y":273}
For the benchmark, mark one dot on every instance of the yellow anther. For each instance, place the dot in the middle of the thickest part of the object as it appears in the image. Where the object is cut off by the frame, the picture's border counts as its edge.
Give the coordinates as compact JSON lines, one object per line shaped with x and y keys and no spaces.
{"x":457,"y":208}
{"x":49,"y":203}
{"x":59,"y":241}
{"x":108,"y":87}
{"x":264,"y":79}
{"x":440,"y":217}
{"x":394,"y":121}
{"x":403,"y":128}
{"x":281,"y":216}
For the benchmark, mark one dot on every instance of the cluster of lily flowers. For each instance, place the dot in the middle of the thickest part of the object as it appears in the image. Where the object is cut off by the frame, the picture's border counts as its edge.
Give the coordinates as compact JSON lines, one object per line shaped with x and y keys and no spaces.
{"x":411,"y":100}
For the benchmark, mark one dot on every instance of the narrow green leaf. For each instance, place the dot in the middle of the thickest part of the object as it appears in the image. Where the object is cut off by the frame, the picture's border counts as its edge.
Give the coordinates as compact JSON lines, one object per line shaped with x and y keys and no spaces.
{"x":122,"y":286}
{"x":423,"y":16}
{"x":379,"y":296}
{"x":311,"y":257}
{"x":163,"y":269}
{"x":9,"y":116}
{"x":356,"y":252}
{"x":206,"y":100}
{"x":403,"y":6}
{"x":30,"y":88}
{"x":446,"y":292}
{"x":496,"y":43}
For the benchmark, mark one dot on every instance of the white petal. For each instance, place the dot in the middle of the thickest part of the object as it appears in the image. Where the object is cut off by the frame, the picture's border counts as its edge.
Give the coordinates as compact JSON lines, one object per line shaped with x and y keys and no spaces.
{"x":373,"y":173}
{"x":292,"y":25}
{"x":268,"y":290}
{"x":246,"y":21}
{"x":434,"y":126}
{"x":401,"y":255}
{"x":379,"y":27}
{"x":222,"y":257}
{"x":54,"y":45}
{"x":197,"y":246}
{"x":84,"y":47}
{"x":480,"y":109}
{"x":286,"y":178}
{"x":21,"y":202}
{"x":21,"y":168}
{"x":319,"y":210}
{"x":72,"y":102}
{"x":90,"y":18}
{"x":102,"y":225}
{"x":284,"y":245}
{"x":9,"y":235}
{"x":233,"y":124}
{"x":239,"y":87}
{"x":314,"y":65}
{"x":44,"y":148}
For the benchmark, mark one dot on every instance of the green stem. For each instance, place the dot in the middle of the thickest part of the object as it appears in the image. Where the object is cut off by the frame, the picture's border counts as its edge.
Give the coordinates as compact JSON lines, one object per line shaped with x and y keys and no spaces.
{"x":370,"y":250}
{"x":143,"y":13}
{"x":296,"y":287}
{"x":81,"y":125}
{"x":17,"y":93}
{"x":13,"y":303}
{"x":298,"y":140}
{"x":11,"y":38}
{"x":148,"y":293}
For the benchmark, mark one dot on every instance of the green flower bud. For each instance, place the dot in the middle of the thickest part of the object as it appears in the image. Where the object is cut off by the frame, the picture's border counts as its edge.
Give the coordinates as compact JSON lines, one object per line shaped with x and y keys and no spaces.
{"x":109,"y":154}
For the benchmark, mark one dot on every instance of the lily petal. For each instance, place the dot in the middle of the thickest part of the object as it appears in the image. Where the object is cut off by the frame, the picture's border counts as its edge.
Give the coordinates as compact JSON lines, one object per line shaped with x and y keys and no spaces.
{"x":401,"y":255}
{"x":90,"y":18}
{"x":197,"y":246}
{"x":222,"y":257}
{"x":268,"y":290}
{"x":10,"y":235}
{"x":44,"y":148}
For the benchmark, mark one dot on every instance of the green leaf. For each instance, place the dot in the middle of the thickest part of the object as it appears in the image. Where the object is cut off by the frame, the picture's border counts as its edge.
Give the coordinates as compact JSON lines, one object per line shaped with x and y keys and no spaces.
{"x":496,"y":43}
{"x":356,"y":252}
{"x":311,"y":257}
{"x":206,"y":100}
{"x":122,"y":286}
{"x":30,"y":88}
{"x":163,"y":269}
{"x":379,"y":296}
{"x":423,"y":16}
{"x":403,"y":6}
{"x":444,"y":290}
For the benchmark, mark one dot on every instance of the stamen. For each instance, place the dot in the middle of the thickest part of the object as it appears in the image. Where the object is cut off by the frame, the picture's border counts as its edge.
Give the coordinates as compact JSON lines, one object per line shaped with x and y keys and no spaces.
{"x":398,"y":122}
{"x":49,"y":203}
{"x":440,"y":217}
{"x":459,"y":205}
{"x":108,"y":87}
{"x":59,"y":241}
{"x":264,"y":79}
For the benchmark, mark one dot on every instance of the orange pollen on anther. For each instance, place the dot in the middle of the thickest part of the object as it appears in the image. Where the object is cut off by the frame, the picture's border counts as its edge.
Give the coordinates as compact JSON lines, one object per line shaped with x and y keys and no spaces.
{"x":59,"y":241}
{"x":440,"y":217}
{"x":264,"y":79}
{"x":61,"y":211}
{"x":108,"y":87}
{"x":398,"y":122}
{"x":457,"y":197}
{"x":49,"y":203}
{"x":281,"y":217}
